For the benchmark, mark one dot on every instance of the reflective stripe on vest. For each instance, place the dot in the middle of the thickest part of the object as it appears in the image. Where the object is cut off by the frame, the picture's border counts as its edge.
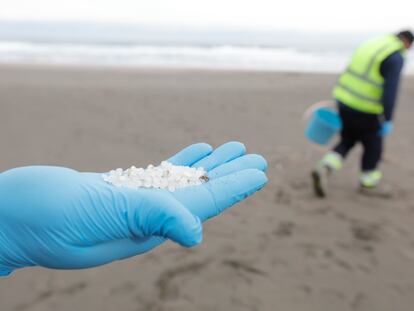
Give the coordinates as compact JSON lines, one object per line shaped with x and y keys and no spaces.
{"x":361,"y":85}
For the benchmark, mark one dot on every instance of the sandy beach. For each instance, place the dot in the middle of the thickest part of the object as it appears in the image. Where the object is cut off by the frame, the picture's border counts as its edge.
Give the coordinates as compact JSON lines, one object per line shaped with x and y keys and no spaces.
{"x":282,"y":249}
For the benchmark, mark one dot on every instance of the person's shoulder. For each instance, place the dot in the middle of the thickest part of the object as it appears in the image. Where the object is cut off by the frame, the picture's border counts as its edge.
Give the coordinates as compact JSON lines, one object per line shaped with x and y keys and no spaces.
{"x":395,"y":58}
{"x":392,"y":63}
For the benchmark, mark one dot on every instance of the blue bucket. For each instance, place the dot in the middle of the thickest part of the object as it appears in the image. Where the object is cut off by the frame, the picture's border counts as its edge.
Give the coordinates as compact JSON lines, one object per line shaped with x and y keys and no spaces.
{"x":324,"y":124}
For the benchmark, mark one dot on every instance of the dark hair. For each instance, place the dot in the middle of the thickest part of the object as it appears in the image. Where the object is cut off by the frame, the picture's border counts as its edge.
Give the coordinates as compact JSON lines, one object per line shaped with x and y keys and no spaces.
{"x":407,"y":35}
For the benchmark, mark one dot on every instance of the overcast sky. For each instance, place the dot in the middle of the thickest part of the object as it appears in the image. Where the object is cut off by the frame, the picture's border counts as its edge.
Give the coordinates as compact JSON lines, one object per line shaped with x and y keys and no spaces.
{"x":329,"y":15}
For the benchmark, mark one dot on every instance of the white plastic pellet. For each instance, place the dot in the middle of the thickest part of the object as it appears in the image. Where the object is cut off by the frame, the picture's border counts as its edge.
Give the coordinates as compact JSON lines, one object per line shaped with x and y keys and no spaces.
{"x":165,"y":176}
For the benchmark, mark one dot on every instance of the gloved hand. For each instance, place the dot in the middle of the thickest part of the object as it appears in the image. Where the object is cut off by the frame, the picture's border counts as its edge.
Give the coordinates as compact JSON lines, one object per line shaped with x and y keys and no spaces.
{"x":59,"y":218}
{"x":386,"y":128}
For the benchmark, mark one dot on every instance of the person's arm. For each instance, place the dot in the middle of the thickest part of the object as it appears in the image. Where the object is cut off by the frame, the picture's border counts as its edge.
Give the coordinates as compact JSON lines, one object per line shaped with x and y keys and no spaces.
{"x":59,"y":218}
{"x":391,"y":71}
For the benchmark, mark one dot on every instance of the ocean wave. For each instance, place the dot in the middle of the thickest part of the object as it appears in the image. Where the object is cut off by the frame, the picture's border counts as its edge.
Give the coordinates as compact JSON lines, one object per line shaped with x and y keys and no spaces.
{"x":214,"y":57}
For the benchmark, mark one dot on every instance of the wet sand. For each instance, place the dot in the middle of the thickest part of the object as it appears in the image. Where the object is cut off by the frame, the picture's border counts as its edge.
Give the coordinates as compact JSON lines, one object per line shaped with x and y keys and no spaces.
{"x":282,"y":249}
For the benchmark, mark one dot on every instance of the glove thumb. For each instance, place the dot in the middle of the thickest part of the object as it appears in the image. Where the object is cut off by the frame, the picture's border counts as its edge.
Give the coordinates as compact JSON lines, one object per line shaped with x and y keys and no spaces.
{"x":164,"y":216}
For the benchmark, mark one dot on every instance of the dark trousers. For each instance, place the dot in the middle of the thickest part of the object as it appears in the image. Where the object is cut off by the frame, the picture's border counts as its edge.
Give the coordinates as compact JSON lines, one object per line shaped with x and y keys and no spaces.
{"x":363,"y":128}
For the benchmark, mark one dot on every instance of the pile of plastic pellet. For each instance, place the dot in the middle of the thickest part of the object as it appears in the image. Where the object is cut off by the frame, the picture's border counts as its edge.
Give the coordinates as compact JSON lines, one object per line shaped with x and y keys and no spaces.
{"x":165,"y":176}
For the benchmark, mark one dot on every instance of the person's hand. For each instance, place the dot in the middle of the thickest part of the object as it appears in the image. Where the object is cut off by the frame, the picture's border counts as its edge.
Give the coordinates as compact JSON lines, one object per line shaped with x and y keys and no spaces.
{"x":386,"y":128}
{"x":59,"y":218}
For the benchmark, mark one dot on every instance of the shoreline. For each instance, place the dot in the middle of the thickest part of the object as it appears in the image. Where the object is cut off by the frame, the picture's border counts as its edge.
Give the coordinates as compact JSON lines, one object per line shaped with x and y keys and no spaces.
{"x":165,"y":69}
{"x":115,"y":67}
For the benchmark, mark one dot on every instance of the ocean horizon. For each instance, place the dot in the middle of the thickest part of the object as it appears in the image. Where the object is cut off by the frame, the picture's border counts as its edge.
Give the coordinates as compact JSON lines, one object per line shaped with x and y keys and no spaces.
{"x":110,"y":44}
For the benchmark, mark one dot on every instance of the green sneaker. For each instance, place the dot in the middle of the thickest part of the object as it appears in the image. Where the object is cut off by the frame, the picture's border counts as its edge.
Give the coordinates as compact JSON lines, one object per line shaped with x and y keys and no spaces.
{"x":332,"y":160}
{"x":370,"y":179}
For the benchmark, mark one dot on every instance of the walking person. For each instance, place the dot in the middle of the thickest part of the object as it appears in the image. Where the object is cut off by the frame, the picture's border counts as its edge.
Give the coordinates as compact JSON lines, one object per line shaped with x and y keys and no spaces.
{"x":366,"y":95}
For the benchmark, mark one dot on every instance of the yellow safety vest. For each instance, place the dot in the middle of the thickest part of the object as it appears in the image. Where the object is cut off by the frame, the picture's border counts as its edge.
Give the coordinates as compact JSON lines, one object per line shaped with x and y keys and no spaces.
{"x":361,"y":85}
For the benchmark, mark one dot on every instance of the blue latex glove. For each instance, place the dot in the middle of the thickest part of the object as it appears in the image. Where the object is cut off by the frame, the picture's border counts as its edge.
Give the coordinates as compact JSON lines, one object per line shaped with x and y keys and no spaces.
{"x":59,"y":218}
{"x":386,"y":128}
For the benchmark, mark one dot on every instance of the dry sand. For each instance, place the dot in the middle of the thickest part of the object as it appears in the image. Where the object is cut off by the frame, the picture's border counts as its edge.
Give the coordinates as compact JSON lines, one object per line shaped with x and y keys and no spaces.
{"x":282,"y":249}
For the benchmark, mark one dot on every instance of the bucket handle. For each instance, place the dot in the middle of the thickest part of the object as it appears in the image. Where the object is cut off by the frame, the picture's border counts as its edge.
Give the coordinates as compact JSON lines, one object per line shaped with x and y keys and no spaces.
{"x":321,"y":104}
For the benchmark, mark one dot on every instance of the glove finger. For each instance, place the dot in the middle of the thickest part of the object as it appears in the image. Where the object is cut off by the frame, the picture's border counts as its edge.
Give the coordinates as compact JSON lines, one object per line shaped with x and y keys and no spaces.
{"x":213,"y":197}
{"x":244,"y":162}
{"x":225,"y":153}
{"x":191,"y":154}
{"x":165,"y":217}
